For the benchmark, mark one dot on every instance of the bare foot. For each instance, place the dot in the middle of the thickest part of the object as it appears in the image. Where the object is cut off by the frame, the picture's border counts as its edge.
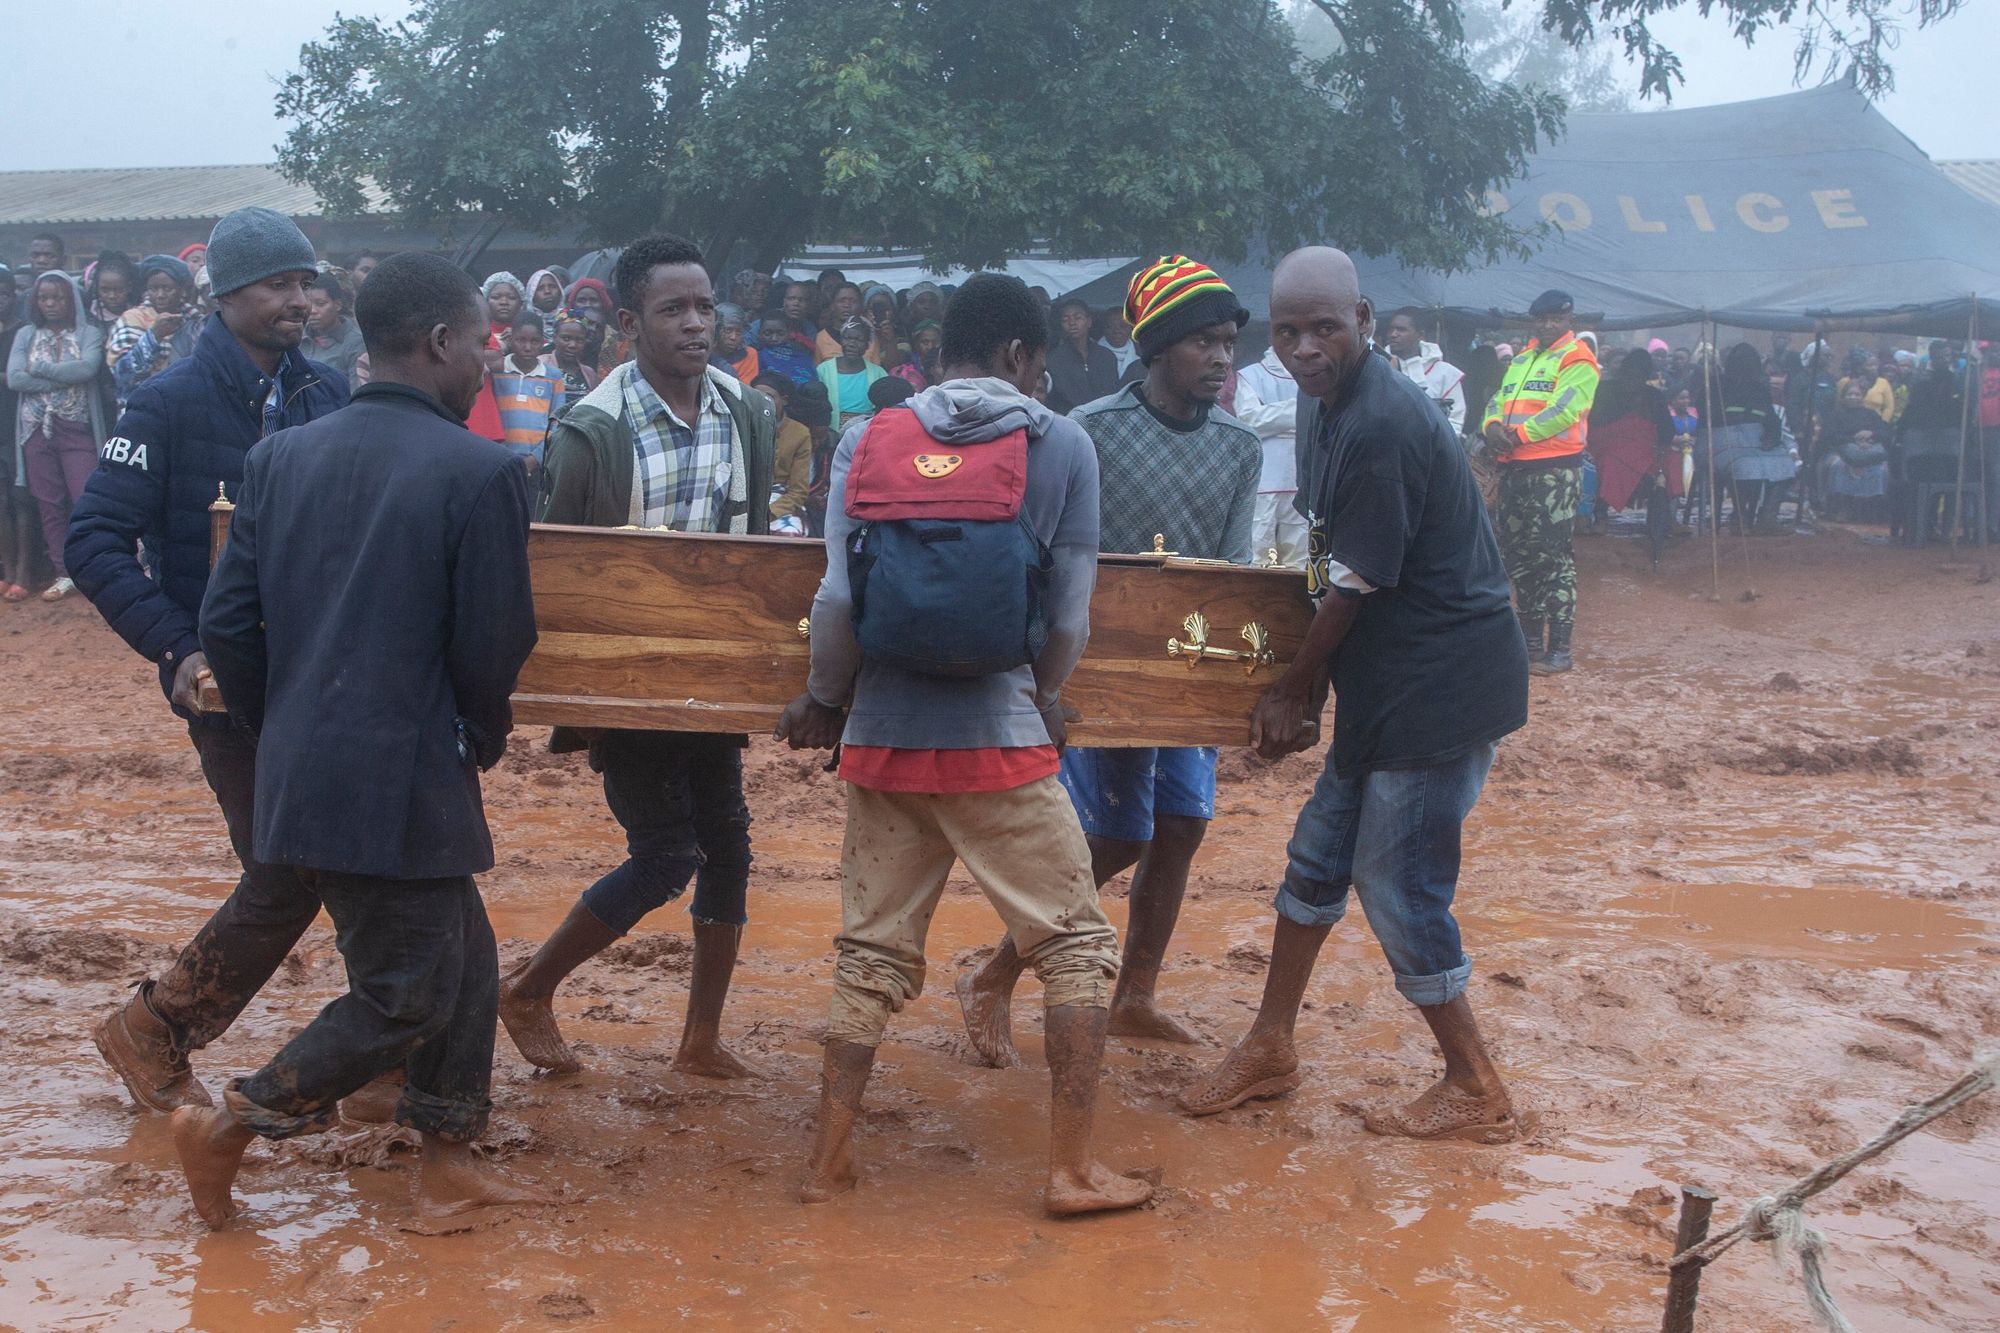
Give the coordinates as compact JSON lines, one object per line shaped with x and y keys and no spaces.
{"x":210,"y":1144}
{"x":989,"y":1022}
{"x":451,"y":1179}
{"x":1143,"y":1018}
{"x":531,"y":1022}
{"x":1096,"y":1190}
{"x":1255,"y":1067}
{"x":711,"y":1059}
{"x":1448,"y":1112}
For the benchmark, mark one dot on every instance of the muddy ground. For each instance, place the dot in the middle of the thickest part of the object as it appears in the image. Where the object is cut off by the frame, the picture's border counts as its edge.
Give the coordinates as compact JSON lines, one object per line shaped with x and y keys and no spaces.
{"x":1733,"y":899}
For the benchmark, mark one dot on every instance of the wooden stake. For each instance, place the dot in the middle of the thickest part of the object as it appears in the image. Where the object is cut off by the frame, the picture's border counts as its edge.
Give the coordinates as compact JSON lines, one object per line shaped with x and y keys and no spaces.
{"x":1684,"y":1284}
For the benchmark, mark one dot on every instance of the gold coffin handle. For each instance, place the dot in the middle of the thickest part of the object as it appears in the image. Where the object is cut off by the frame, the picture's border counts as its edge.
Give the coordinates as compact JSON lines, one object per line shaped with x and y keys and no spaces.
{"x":1196,"y":646}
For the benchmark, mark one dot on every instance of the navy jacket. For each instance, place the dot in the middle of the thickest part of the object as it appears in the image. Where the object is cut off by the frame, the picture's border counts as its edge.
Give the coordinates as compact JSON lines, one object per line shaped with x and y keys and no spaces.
{"x":183,"y":433}
{"x":366,"y":621}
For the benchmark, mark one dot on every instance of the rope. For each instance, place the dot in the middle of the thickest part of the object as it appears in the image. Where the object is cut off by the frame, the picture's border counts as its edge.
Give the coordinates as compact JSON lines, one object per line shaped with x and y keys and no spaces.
{"x":1780,"y":1218}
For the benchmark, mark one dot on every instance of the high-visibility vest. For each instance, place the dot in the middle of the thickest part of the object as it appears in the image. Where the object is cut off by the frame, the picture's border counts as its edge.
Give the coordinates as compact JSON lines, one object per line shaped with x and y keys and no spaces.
{"x":1544,"y":401}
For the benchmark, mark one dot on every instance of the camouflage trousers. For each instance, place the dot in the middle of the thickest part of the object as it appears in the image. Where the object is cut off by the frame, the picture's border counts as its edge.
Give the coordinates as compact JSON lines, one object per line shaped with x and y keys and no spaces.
{"x":1537,"y":516}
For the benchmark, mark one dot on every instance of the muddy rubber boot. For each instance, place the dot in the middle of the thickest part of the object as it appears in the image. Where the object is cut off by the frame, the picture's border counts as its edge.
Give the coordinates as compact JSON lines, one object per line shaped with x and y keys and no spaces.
{"x":1557,"y":660}
{"x":1531,"y":630}
{"x":140,"y":1049}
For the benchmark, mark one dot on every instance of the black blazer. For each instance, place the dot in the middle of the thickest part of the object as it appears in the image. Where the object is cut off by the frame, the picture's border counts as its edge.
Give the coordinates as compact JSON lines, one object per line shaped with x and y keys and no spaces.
{"x":366,"y":621}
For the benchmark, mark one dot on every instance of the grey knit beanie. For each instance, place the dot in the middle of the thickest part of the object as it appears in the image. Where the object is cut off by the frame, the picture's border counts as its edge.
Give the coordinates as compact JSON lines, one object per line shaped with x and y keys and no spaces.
{"x":250,"y":245}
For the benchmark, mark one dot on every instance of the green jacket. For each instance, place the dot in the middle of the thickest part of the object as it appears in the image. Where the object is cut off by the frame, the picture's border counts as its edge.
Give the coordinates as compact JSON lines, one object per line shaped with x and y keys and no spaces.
{"x":587,"y":466}
{"x":587,"y":471}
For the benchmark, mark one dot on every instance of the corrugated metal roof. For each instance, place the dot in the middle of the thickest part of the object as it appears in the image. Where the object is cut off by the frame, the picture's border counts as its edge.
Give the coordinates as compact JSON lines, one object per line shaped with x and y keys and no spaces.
{"x":1977,"y":176}
{"x":136,"y":194}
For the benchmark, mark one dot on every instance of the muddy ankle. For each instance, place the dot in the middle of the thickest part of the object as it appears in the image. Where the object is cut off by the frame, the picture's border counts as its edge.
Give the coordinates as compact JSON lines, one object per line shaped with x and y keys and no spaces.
{"x":452,"y":1179}
{"x":709,"y":1058}
{"x":1142,"y":1017}
{"x":531,"y":1024}
{"x":831,"y":1176}
{"x":210,"y":1145}
{"x":989,"y":1021}
{"x":1094,"y":1189}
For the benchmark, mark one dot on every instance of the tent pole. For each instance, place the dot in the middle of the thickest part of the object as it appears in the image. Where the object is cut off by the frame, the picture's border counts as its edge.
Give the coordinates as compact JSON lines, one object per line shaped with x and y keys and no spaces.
{"x":1968,"y":401}
{"x":1985,"y":481}
{"x":1708,"y":372}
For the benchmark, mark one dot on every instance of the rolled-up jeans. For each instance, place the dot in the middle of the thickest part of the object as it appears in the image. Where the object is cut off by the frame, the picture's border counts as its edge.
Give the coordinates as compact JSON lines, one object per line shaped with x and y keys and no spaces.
{"x":1393,"y":836}
{"x":423,"y":991}
{"x":679,"y":798}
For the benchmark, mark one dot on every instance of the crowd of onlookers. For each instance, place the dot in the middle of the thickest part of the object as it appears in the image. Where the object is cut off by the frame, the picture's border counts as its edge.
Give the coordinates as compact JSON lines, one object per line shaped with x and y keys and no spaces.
{"x":1845,"y":433}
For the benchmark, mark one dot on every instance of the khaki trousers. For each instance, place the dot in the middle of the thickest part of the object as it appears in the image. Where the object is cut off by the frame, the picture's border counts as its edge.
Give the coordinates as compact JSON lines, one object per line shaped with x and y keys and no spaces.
{"x":1027,"y":854}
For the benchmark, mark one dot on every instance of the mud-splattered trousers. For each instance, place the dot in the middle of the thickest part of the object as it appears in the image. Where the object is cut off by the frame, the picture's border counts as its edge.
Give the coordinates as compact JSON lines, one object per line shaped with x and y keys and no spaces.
{"x":423,"y":992}
{"x":1023,"y":848}
{"x":1537,"y":518}
{"x":239,"y":947}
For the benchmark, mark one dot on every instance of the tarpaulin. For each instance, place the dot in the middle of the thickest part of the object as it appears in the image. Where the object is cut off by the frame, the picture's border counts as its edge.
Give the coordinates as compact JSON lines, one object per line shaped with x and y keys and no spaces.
{"x":1781,"y":213}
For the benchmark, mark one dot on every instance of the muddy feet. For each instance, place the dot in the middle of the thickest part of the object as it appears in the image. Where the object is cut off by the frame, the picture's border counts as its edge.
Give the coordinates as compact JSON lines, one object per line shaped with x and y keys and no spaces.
{"x":1096,"y":1189}
{"x":711,"y":1059}
{"x":531,"y":1022}
{"x":1447,"y":1112}
{"x":1144,"y":1019}
{"x":830,"y":1174}
{"x":1254,"y":1068}
{"x":989,"y":1022}
{"x":210,"y":1145}
{"x":452,"y":1180}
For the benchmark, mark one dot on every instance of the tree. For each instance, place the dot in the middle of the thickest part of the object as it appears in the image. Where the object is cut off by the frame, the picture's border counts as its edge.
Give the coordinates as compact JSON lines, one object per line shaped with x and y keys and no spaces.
{"x":967,"y":131}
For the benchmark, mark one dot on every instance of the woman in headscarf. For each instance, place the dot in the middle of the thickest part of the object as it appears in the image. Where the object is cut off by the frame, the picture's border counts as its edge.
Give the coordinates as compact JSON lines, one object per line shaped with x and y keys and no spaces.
{"x":921,"y":369}
{"x":158,"y":331}
{"x":545,"y":296}
{"x":504,"y":300}
{"x":1631,"y":429}
{"x":878,"y":303}
{"x":59,"y":420}
{"x":590,"y":300}
{"x":1854,"y":459}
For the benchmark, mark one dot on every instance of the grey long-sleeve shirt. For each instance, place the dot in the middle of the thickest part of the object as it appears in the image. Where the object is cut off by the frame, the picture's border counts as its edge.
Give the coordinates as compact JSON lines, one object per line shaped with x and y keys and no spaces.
{"x":907,"y":710}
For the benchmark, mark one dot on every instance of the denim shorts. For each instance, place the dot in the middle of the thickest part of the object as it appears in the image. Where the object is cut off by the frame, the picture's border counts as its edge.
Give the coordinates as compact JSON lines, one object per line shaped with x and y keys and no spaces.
{"x":1393,"y":836}
{"x":1117,"y":792}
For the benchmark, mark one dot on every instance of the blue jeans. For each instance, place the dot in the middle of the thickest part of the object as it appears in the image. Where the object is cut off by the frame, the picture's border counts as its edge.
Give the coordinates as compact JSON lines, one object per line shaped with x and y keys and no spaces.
{"x":679,"y":797}
{"x":1393,"y":835}
{"x":1117,"y":792}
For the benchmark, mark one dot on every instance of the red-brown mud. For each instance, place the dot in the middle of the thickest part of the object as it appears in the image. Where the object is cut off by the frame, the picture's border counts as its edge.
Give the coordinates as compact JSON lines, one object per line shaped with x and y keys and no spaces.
{"x":1733,"y":899}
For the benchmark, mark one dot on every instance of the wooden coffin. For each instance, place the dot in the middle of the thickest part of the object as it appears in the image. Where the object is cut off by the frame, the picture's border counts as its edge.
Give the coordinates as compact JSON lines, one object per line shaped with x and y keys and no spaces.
{"x":687,"y":632}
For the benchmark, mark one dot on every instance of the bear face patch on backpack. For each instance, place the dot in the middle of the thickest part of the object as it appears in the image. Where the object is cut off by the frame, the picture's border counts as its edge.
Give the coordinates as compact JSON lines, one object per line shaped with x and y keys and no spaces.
{"x":948,"y":578}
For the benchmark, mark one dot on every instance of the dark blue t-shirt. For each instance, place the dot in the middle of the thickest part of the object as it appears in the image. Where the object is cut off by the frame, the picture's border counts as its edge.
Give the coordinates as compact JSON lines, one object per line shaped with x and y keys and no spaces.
{"x":1434,"y":663}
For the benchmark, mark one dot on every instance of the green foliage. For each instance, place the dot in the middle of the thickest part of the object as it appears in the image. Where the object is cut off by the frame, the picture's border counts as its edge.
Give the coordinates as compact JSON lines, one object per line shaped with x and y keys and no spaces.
{"x":968,"y":131}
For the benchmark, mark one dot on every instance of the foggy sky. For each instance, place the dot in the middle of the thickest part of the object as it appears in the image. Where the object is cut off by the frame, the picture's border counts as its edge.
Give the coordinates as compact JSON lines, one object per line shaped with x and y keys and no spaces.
{"x":192,"y":83}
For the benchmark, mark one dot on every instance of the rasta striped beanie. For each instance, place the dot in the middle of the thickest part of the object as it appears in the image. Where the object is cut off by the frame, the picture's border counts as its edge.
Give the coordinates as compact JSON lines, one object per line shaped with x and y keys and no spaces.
{"x":1171,"y":298}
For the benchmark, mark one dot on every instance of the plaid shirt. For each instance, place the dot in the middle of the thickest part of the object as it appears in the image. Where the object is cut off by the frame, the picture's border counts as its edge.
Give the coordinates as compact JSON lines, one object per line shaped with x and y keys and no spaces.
{"x":683,"y":477}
